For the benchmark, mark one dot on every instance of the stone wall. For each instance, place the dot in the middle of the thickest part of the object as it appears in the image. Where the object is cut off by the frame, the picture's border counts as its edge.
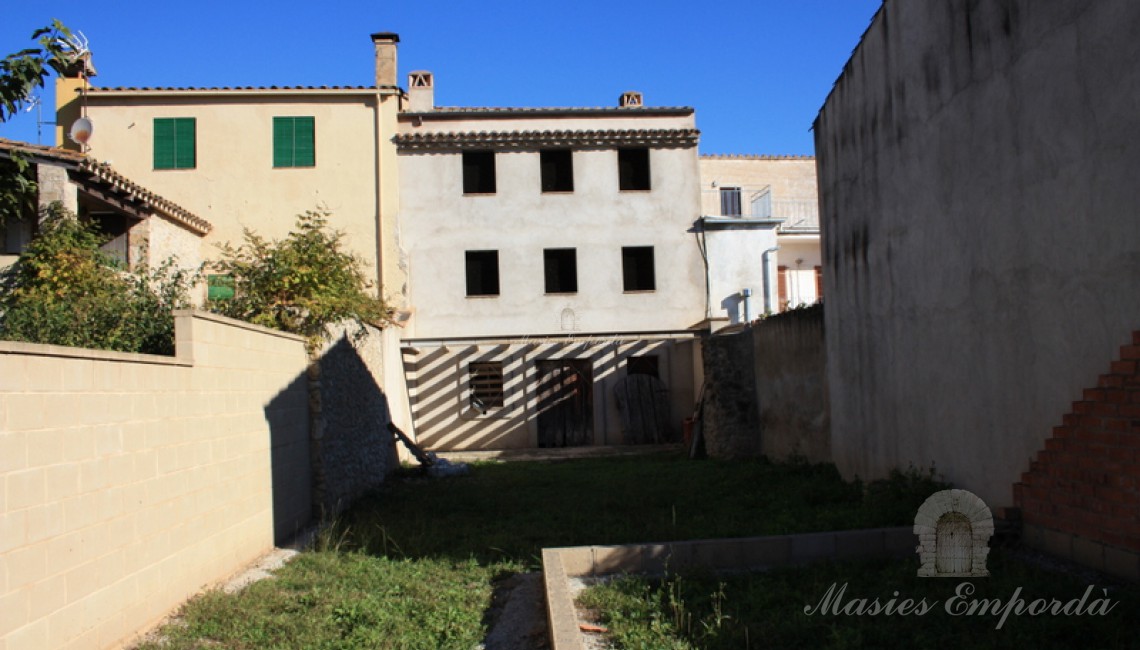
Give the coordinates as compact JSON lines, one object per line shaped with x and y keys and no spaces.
{"x":730,"y":420}
{"x":352,"y":449}
{"x":766,"y":390}
{"x":128,"y":481}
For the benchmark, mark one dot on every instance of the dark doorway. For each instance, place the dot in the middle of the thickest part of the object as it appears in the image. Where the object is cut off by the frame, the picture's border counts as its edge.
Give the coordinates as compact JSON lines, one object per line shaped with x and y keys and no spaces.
{"x":565,"y":403}
{"x":643,"y":402}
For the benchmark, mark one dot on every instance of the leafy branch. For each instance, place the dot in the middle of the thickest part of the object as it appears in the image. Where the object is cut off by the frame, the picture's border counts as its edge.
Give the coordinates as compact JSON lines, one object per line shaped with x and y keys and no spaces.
{"x":300,"y":284}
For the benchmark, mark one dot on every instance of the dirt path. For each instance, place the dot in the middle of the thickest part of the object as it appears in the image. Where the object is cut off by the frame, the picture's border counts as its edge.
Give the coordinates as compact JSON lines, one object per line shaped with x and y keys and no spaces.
{"x":517,"y":618}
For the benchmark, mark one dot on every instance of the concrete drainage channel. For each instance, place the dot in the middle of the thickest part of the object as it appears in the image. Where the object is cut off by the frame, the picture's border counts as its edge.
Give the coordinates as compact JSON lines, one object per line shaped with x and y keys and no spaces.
{"x":560,"y":565}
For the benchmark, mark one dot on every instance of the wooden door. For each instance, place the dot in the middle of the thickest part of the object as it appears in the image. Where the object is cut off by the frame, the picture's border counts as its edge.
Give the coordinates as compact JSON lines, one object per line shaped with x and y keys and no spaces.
{"x":954,"y":544}
{"x":565,"y":403}
{"x":643,"y":402}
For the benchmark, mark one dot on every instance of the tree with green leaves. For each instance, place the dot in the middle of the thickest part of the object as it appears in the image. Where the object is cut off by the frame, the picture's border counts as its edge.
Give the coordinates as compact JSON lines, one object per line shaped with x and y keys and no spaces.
{"x":64,"y":290}
{"x":300,"y":284}
{"x":20,"y":74}
{"x":24,"y":71}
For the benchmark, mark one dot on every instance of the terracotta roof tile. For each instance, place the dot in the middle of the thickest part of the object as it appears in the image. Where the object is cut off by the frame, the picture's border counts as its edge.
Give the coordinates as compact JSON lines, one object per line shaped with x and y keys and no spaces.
{"x":106,"y":175}
{"x":739,"y":156}
{"x":110,"y":89}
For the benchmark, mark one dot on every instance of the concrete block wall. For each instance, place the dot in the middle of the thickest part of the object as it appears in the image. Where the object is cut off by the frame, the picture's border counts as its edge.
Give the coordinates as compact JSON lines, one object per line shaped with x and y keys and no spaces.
{"x":1084,"y":487}
{"x":128,"y":482}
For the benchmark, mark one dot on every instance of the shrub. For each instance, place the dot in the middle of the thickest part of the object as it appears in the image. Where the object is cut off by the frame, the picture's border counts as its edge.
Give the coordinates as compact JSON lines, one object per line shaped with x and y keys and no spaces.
{"x":64,"y":290}
{"x":300,"y":284}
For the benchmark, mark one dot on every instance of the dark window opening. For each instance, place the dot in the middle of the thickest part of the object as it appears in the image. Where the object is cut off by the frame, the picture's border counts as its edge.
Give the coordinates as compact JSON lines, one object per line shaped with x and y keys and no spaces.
{"x":637,"y":268}
{"x":633,"y":169}
{"x":561,"y":267}
{"x":16,"y":235}
{"x":482,"y":273}
{"x":646,"y":365}
{"x":478,"y":172}
{"x":730,"y":201}
{"x":485,"y":382}
{"x":557,"y":170}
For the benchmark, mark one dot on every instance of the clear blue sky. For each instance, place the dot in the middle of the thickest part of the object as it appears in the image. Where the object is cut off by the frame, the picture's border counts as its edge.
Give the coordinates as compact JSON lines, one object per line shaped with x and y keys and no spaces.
{"x":757,"y":71}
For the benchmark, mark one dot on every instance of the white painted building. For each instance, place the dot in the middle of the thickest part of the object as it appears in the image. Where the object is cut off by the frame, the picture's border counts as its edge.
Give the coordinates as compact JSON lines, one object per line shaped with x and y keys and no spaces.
{"x":761,"y":222}
{"x":551,"y":254}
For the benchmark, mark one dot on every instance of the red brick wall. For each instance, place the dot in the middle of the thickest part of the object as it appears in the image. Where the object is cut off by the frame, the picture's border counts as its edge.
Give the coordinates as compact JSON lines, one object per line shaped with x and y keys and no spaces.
{"x":1087,"y":479}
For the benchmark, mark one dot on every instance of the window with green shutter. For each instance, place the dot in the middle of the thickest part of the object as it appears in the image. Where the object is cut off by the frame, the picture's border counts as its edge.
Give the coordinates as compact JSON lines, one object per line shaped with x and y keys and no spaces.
{"x":219,"y":287}
{"x":293,"y":142}
{"x":174,"y":143}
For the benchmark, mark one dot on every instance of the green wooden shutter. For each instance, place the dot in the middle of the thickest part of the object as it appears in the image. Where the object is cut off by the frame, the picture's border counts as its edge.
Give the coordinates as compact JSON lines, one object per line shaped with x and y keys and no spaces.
{"x":293,"y":142}
{"x":163,"y":143}
{"x":174,"y":143}
{"x":282,"y":142}
{"x":221,"y":287}
{"x":304,"y":154}
{"x":185,"y":135}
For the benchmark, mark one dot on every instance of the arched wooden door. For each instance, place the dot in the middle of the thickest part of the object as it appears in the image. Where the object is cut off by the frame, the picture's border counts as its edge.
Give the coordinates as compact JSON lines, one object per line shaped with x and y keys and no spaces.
{"x":954,"y":545}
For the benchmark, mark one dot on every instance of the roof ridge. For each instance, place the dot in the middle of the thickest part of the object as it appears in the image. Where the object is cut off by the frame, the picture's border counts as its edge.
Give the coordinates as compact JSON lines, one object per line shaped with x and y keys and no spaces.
{"x":755,"y":156}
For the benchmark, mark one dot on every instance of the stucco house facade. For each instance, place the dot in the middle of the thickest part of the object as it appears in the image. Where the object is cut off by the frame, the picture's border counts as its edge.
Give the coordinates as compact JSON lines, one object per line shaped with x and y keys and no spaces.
{"x":254,"y":158}
{"x":555,"y":284}
{"x":538,"y":257}
{"x":761,"y":218}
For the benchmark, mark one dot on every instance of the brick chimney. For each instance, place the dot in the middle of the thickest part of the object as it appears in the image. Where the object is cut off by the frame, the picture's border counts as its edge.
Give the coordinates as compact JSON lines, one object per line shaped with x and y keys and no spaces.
{"x":421,"y":91}
{"x":631,"y":99}
{"x":385,"y":44}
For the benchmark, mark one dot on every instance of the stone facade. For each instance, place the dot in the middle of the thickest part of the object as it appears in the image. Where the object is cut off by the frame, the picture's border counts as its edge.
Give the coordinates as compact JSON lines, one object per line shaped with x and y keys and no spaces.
{"x":352,"y":450}
{"x":730,"y":420}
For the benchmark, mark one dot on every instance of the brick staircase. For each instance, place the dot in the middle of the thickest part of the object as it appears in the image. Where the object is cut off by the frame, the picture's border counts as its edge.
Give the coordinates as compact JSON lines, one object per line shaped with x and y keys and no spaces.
{"x":1085,"y":483}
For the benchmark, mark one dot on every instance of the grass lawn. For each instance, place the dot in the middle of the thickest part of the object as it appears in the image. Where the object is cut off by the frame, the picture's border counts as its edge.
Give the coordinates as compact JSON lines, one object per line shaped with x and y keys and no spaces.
{"x":414,"y":565}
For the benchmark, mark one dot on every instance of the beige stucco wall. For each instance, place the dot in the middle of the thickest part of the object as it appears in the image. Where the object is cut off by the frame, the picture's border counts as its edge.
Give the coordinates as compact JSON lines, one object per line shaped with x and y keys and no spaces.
{"x":234,"y":184}
{"x":438,"y":223}
{"x":127,"y":482}
{"x":791,"y":179}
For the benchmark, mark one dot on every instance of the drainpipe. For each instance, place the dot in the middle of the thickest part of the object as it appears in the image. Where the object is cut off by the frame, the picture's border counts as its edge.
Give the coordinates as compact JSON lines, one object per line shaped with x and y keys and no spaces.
{"x":766,"y":260}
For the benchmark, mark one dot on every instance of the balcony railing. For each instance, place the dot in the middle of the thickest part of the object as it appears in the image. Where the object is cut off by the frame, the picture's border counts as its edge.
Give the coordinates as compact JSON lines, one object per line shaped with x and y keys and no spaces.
{"x":798,"y":215}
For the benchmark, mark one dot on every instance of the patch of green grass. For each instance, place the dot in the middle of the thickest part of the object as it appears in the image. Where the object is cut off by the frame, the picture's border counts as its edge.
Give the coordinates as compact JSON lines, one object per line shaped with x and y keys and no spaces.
{"x":414,"y":565}
{"x":767,"y":610}
{"x":513,"y":510}
{"x":327,"y":600}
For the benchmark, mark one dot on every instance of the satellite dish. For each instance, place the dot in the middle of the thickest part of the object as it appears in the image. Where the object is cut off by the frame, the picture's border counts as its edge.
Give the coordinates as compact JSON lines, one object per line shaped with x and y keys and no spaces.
{"x":81,"y":131}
